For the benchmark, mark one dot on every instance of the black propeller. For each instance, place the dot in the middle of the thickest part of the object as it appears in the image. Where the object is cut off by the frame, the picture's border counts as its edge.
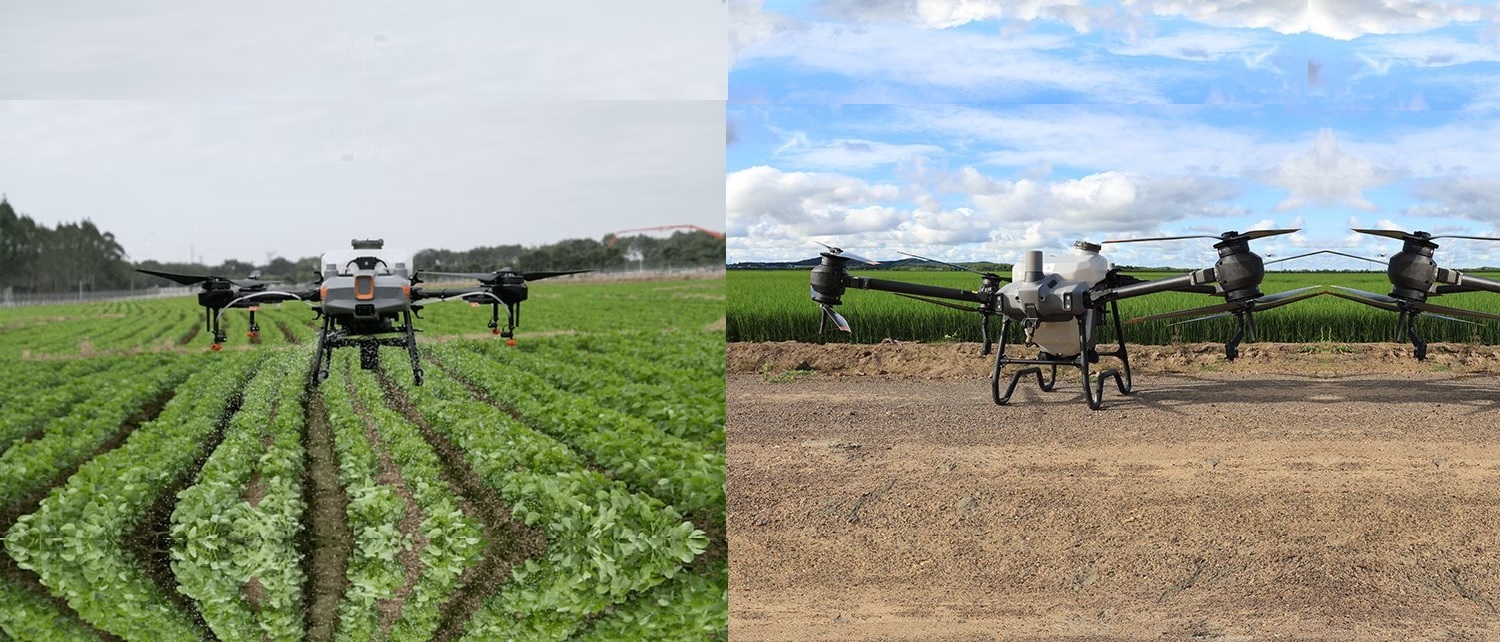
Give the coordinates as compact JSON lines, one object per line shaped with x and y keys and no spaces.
{"x":1227,"y":237}
{"x":1420,"y":236}
{"x":194,"y":279}
{"x":839,"y":253}
{"x":1394,"y":304}
{"x":489,"y":278}
{"x":829,"y":313}
{"x":1258,"y":304}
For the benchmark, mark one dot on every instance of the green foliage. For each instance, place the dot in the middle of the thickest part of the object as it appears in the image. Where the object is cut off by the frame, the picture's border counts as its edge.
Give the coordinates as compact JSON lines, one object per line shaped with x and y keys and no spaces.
{"x":222,"y":541}
{"x":774,"y":306}
{"x":604,"y":542}
{"x":74,"y":540}
{"x":648,"y":460}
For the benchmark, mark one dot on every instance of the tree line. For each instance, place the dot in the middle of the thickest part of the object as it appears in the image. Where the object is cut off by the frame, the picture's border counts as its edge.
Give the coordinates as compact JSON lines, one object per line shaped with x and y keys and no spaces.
{"x":37,"y":259}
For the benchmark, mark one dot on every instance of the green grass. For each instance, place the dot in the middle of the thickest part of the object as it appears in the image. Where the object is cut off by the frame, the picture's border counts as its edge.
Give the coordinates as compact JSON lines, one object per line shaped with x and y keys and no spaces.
{"x":775,"y":306}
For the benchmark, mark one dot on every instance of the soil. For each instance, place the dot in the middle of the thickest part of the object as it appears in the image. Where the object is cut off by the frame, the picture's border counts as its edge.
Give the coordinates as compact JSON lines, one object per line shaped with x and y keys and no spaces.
{"x":1332,"y":492}
{"x":327,"y":541}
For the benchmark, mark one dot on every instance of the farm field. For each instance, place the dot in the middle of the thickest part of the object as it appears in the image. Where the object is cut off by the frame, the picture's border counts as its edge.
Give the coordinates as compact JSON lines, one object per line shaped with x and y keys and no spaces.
{"x":773,"y":305}
{"x":1302,"y":492}
{"x":568,"y":488}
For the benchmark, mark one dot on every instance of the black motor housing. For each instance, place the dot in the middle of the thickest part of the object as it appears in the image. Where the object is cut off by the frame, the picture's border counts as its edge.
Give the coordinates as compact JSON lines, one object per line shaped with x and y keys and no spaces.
{"x":1239,"y":271}
{"x":827,"y":280}
{"x":1412,"y":270}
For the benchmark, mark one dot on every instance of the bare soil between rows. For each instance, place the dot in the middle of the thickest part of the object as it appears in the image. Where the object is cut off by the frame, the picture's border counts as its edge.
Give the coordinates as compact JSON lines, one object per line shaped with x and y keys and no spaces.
{"x":1331,"y":492}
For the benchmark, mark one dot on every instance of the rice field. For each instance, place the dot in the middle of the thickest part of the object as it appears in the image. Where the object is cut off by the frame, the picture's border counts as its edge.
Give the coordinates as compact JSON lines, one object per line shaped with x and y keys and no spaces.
{"x":773,"y":305}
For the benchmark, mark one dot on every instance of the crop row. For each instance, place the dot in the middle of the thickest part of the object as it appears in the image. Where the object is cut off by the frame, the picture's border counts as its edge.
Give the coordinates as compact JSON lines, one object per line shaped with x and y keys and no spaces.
{"x":604,"y":542}
{"x":234,"y":528}
{"x":373,"y":443}
{"x":678,"y":401}
{"x":677,"y":471}
{"x":75,"y":540}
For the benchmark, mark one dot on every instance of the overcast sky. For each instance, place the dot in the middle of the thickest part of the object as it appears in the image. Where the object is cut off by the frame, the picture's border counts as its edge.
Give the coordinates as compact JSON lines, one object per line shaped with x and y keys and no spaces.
{"x":976,"y":129}
{"x":234,"y":130}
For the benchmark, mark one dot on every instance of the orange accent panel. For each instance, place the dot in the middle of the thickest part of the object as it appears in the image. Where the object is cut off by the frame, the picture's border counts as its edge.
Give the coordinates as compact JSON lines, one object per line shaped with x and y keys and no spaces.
{"x":364,"y":287}
{"x":406,"y":289}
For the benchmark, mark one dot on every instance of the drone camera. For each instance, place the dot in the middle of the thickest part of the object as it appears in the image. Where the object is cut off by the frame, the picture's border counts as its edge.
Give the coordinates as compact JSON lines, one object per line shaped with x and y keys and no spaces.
{"x":368,"y":244}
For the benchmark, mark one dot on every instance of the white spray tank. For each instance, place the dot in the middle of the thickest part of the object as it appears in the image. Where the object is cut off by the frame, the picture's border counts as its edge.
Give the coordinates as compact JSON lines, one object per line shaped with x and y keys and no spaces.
{"x":1081,"y":263}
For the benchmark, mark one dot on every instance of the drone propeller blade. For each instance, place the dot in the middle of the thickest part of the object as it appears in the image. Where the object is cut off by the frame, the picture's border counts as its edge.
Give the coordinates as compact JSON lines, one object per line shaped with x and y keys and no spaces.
{"x":945,"y":304}
{"x":478,"y":276}
{"x":1220,"y":315}
{"x":1454,"y":319}
{"x":1260,"y":234}
{"x":537,"y":276}
{"x":1208,"y":309}
{"x":1161,"y":238}
{"x":952,"y":265}
{"x":1472,"y":238}
{"x":1390,"y":234}
{"x":1290,"y":296}
{"x":840,"y":253}
{"x":1443,"y":309}
{"x":838,"y":319}
{"x":1369,"y":295}
{"x":1368,"y":298}
{"x":185,"y":279}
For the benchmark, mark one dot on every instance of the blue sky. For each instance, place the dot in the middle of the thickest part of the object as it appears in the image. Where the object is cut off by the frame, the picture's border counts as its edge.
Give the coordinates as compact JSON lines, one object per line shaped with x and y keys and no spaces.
{"x":966,"y":129}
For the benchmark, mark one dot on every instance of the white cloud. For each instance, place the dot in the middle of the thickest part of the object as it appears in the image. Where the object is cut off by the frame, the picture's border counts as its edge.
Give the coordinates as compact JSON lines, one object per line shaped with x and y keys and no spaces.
{"x":894,"y":60}
{"x":770,"y":207}
{"x":851,"y":153}
{"x":1475,"y":198}
{"x":1337,"y":19}
{"x":1203,"y":45}
{"x":942,"y":14}
{"x":769,"y":203}
{"x":1326,"y":175}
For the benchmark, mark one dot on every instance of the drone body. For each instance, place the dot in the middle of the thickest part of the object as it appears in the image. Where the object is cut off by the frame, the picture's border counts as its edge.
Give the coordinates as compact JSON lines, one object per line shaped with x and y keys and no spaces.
{"x":1061,"y":306}
{"x":367,"y":297}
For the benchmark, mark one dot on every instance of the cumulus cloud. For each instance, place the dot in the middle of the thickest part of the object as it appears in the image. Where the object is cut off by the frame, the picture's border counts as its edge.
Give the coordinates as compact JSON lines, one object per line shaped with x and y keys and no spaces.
{"x":1001,"y":217}
{"x":1326,"y":175}
{"x":1470,"y":197}
{"x":942,"y":14}
{"x":764,"y":201}
{"x":1337,"y":19}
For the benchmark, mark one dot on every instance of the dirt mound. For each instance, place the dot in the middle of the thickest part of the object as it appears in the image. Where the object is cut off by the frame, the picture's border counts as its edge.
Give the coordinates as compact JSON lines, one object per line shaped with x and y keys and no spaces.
{"x":963,"y":360}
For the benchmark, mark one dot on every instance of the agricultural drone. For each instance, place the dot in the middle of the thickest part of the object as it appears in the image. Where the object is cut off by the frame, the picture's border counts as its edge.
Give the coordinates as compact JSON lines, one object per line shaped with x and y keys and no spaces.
{"x":1061,"y":305}
{"x":1414,"y":278}
{"x":361,"y":294}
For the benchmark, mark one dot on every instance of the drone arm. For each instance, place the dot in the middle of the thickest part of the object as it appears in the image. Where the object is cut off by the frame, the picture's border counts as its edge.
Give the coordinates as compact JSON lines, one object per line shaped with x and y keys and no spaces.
{"x":918,"y":289}
{"x":1182,"y":282}
{"x":1467,"y":282}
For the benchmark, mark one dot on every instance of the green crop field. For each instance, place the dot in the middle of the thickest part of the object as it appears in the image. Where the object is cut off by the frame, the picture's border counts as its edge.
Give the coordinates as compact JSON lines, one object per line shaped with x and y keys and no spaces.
{"x":774,"y":305}
{"x":568,"y":488}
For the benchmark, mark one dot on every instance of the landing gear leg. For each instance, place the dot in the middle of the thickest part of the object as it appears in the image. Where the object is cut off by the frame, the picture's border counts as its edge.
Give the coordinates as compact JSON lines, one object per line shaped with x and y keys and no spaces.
{"x":411,"y":348}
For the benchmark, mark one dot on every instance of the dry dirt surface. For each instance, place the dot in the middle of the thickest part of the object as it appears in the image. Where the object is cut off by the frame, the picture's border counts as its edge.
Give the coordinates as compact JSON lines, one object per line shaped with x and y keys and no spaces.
{"x":1325,"y":492}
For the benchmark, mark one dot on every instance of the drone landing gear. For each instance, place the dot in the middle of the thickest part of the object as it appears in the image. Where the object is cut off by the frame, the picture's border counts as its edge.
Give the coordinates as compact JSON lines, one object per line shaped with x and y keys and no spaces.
{"x":1093,"y":387}
{"x":1406,"y":324}
{"x":1245,"y":320}
{"x":512,"y":319}
{"x":369,"y":349}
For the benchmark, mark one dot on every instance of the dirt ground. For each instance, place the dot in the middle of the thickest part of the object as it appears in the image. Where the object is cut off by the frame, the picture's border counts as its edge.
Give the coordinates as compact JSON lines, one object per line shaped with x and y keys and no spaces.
{"x":1342,"y":492}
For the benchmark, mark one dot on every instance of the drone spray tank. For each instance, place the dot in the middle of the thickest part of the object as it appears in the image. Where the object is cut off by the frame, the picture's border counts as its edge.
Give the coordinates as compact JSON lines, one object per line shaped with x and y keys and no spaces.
{"x":1082,"y":264}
